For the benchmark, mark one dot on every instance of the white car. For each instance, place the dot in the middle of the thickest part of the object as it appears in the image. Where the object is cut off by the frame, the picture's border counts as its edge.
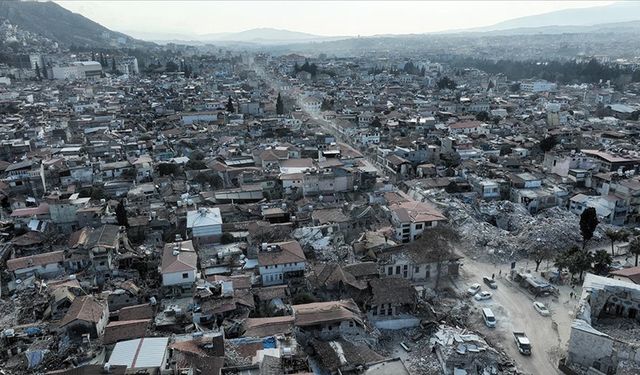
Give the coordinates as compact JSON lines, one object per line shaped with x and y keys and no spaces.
{"x":541,"y":308}
{"x":473,"y":289}
{"x":482,"y":296}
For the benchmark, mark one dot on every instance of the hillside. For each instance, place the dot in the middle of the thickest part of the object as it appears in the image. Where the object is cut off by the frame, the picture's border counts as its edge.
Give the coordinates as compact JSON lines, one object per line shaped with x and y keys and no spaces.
{"x":51,"y":21}
{"x":615,"y":13}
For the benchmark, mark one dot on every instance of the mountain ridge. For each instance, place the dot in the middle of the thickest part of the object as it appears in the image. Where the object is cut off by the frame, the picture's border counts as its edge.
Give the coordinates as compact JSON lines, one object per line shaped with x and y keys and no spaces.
{"x":60,"y":25}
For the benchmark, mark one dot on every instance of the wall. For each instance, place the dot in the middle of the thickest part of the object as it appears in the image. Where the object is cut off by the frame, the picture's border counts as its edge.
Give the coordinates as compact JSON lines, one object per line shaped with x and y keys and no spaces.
{"x":271,"y":275}
{"x":175,"y":278}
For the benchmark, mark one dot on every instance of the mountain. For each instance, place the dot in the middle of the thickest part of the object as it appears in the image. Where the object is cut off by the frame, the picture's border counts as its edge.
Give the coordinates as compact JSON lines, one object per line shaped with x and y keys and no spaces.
{"x":261,"y":36}
{"x":616,"y":28}
{"x":264,"y":35}
{"x":58,"y":24}
{"x":607,"y":14}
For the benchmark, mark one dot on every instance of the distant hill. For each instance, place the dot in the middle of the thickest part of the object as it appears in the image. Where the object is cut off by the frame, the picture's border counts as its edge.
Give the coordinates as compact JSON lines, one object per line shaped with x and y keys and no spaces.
{"x":620,"y":12}
{"x":266,"y":36}
{"x":616,"y":28}
{"x":60,"y":25}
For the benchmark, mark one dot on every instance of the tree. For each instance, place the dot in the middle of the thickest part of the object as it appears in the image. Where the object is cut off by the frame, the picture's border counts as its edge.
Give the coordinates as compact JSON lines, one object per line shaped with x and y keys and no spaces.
{"x":540,"y":252}
{"x":121,"y":214}
{"x":515,"y":87}
{"x":548,"y":143}
{"x":376,"y":122}
{"x":439,"y":243}
{"x":634,"y":248}
{"x":601,"y":262}
{"x":616,"y":235}
{"x":226,"y":238}
{"x":446,"y":83}
{"x":166,"y":169}
{"x":170,"y":66}
{"x":113,"y":64}
{"x":196,"y":155}
{"x":195,"y":165}
{"x":229,"y":106}
{"x":574,"y":260}
{"x":506,"y":150}
{"x":588,"y":224}
{"x":38,"y":76}
{"x":482,"y":116}
{"x":279,"y":105}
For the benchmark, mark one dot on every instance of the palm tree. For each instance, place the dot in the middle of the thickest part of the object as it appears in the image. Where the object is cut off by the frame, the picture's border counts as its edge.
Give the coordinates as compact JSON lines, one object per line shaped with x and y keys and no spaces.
{"x":616,"y":235}
{"x":634,"y":248}
{"x":601,"y":262}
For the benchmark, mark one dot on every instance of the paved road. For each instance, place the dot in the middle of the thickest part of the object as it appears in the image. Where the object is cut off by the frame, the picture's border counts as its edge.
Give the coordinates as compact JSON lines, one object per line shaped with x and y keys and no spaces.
{"x":514,"y":311}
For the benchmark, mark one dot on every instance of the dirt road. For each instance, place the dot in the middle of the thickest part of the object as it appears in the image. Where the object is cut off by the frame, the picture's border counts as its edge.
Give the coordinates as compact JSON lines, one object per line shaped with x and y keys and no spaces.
{"x":514,"y":311}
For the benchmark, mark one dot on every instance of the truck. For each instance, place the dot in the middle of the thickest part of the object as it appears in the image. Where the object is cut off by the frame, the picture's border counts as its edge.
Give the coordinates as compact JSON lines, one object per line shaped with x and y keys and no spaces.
{"x":523,"y":343}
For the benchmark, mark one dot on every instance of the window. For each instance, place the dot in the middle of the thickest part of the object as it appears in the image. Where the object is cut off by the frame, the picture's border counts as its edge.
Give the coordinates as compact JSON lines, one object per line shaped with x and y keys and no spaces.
{"x":390,"y":271}
{"x":416,"y":269}
{"x":419,"y":226}
{"x":185,"y":275}
{"x":397,"y":270}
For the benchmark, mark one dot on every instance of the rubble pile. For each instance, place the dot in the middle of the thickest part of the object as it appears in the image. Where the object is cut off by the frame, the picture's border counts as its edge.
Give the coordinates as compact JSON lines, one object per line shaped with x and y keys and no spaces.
{"x":327,"y":247}
{"x":463,"y":349}
{"x":624,"y":329}
{"x":507,"y":230}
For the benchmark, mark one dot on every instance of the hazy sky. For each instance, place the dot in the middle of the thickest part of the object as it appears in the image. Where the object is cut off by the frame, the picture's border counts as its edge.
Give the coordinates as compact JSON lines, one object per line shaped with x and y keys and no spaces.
{"x":316,"y":17}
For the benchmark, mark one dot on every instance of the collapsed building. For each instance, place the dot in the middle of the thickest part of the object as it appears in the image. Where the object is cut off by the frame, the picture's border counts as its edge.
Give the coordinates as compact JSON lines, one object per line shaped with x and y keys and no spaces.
{"x":605,"y":336}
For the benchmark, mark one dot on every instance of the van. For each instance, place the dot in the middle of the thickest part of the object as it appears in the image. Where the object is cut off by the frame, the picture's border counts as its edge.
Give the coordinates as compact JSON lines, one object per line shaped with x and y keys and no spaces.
{"x":489,"y":318}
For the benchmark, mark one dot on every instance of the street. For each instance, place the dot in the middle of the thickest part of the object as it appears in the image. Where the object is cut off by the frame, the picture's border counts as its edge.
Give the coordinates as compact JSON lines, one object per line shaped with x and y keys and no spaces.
{"x":514,"y":310}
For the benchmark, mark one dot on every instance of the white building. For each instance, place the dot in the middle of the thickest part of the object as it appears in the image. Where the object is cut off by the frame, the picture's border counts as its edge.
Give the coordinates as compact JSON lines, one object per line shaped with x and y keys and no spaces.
{"x":279,"y":261}
{"x":205,"y":224}
{"x":411,"y":218}
{"x":179,"y":265}
{"x":77,"y":70}
{"x":537,"y":86}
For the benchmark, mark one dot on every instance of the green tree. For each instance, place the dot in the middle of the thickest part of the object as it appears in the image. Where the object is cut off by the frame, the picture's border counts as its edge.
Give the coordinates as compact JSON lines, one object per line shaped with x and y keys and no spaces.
{"x":616,"y":236}
{"x":540,"y":252}
{"x":279,"y":105}
{"x":165,"y":169}
{"x":38,"y":76}
{"x":548,"y":143}
{"x":446,"y":83}
{"x":113,"y":64}
{"x":170,"y":66}
{"x":601,"y":262}
{"x":229,"y":106}
{"x":226,"y":238}
{"x":588,"y":224}
{"x":574,"y":260}
{"x":482,"y":116}
{"x":195,"y":165}
{"x":121,"y":214}
{"x":634,"y":248}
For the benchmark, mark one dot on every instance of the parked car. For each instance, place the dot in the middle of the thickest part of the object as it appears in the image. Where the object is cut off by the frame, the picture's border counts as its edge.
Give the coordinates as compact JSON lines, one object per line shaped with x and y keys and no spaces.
{"x":482,"y":296}
{"x":490,"y":282}
{"x":473,"y":289}
{"x":541,"y":308}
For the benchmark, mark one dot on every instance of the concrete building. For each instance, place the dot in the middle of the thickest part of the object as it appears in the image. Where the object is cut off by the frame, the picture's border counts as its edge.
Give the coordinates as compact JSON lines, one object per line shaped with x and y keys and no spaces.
{"x":598,"y":343}
{"x":179,"y":266}
{"x":280,"y":261}
{"x":205,"y":224}
{"x":534,"y":86}
{"x":411,"y":218}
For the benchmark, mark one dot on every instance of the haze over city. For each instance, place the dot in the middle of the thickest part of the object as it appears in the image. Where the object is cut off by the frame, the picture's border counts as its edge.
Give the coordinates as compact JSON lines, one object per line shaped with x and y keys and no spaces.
{"x":327,"y":18}
{"x":354,"y":188}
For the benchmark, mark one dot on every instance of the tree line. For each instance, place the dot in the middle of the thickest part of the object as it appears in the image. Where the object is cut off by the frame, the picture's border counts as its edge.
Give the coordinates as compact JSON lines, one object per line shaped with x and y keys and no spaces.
{"x":564,"y":72}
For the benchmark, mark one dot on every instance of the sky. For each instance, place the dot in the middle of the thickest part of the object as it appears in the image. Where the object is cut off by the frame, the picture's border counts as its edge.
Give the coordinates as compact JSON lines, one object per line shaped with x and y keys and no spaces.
{"x":329,"y":18}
